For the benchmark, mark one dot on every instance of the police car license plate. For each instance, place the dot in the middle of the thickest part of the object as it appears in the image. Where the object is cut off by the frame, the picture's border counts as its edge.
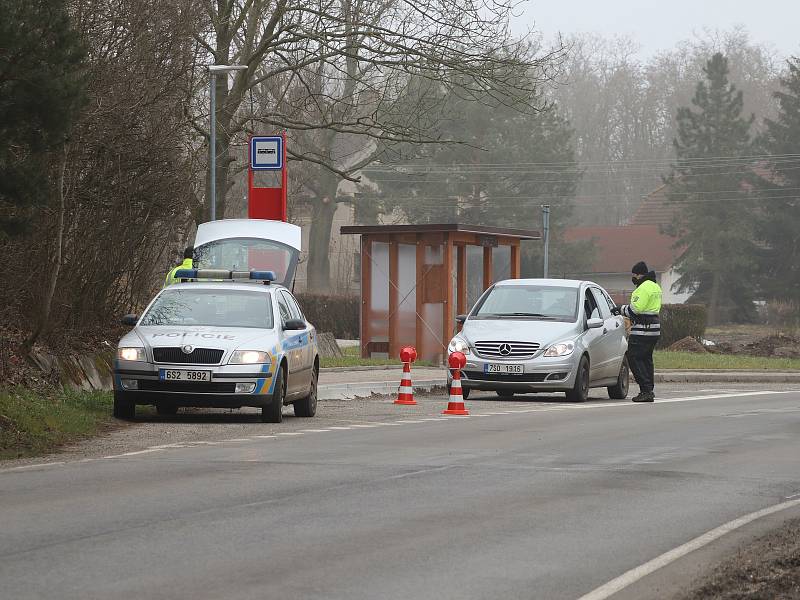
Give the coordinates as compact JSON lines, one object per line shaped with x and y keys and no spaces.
{"x":184,"y":375}
{"x":503,"y":368}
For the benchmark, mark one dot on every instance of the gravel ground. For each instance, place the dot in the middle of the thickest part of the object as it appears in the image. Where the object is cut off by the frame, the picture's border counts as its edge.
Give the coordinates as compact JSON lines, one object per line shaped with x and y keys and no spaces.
{"x":766,"y":569}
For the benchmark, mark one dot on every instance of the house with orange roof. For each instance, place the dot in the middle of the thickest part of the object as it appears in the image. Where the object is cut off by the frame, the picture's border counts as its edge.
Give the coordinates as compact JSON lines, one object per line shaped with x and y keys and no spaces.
{"x":618,"y":248}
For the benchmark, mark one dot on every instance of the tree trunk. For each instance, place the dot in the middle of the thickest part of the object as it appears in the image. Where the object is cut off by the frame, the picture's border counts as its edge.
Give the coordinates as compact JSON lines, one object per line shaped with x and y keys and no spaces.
{"x":319,"y":244}
{"x":50,"y":290}
{"x":713,"y":304}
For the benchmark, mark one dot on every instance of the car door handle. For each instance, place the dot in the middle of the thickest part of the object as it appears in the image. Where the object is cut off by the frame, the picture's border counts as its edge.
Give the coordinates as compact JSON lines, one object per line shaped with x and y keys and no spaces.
{"x":605,"y":331}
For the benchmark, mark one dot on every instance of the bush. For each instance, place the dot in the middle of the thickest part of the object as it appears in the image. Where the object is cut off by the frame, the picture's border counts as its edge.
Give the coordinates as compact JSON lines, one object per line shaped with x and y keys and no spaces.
{"x":682,"y":320}
{"x":338,"y":315}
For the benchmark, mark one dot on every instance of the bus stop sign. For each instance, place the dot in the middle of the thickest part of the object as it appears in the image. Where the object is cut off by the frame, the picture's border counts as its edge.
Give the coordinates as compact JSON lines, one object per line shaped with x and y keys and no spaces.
{"x":266,"y":153}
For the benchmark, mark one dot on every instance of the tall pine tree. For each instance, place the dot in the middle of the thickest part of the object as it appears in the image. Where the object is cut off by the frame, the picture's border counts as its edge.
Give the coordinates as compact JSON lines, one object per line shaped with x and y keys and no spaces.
{"x":42,"y":88}
{"x":715,"y":195}
{"x":779,"y":225}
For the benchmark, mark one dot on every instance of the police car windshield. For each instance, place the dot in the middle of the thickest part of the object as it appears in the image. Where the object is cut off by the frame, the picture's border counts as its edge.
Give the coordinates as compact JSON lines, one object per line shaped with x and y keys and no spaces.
{"x":549,"y":303}
{"x":218,"y":308}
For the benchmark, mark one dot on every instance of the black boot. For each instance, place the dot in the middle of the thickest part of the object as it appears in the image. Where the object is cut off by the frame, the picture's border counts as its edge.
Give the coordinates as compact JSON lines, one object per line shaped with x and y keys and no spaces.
{"x":644,"y":397}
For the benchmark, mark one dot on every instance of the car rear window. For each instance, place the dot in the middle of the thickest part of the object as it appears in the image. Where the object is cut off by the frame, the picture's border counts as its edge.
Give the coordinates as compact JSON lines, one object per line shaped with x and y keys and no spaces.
{"x":218,"y":308}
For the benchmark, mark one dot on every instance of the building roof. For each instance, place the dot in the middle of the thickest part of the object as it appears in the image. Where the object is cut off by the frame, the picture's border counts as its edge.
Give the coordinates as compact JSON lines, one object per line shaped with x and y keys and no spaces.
{"x":617,"y":249}
{"x":523,"y":234}
{"x":656,"y":209}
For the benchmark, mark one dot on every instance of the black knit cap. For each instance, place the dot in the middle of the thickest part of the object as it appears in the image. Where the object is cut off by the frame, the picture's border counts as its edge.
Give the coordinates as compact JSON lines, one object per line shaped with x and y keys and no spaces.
{"x":640,"y":268}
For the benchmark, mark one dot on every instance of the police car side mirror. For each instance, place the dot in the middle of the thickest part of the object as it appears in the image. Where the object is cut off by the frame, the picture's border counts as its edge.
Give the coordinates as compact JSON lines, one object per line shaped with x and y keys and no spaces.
{"x":461,"y":319}
{"x":130,"y":320}
{"x":294,"y":325}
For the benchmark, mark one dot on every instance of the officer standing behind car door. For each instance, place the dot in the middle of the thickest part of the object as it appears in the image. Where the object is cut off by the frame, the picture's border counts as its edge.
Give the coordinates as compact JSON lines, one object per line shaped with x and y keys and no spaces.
{"x":186,"y":264}
{"x":645,"y":328}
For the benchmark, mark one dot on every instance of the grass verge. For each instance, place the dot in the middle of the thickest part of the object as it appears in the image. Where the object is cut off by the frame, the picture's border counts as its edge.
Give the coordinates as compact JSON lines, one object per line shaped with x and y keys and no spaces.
{"x":690,"y":361}
{"x":33,"y":423}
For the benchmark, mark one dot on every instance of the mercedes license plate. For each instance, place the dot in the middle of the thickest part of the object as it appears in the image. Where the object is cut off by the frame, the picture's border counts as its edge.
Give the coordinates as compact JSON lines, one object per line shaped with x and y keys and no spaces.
{"x":184,"y":375}
{"x":504,"y":368}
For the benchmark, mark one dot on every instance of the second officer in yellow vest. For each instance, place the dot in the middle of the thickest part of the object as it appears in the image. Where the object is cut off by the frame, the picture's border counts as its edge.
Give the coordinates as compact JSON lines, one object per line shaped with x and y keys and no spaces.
{"x":186,"y":264}
{"x":643,"y":312}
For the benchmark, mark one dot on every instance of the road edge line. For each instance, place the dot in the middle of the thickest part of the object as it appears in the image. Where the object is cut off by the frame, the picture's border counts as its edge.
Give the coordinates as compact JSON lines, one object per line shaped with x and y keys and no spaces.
{"x":632,"y":576}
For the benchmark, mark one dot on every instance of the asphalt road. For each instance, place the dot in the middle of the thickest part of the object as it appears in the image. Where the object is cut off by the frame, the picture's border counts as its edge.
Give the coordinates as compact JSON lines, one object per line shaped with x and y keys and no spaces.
{"x":532,"y":499}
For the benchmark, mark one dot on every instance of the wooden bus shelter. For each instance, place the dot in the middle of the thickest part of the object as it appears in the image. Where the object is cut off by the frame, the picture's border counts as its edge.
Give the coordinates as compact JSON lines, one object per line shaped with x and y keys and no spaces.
{"x":412,"y":285}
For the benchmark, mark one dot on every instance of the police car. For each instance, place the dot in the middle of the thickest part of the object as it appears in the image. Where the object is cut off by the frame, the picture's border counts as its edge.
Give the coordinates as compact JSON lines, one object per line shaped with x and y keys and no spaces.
{"x":221,"y":338}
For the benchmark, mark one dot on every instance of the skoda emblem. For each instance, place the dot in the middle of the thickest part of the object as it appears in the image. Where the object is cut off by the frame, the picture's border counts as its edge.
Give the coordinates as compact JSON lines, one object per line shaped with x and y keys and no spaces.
{"x":505,"y":349}
{"x":187,"y":349}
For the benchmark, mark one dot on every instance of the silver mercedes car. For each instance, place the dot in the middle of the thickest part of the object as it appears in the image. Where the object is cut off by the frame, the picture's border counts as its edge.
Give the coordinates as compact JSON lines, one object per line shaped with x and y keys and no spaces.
{"x":543,"y":335}
{"x":228,"y":341}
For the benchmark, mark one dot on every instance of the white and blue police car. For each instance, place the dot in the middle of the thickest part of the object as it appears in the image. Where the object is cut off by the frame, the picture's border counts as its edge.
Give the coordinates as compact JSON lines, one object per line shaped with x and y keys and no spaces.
{"x":223,"y":339}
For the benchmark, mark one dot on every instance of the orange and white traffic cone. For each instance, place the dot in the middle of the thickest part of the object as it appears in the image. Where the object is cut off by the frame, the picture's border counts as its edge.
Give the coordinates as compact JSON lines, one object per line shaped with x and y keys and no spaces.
{"x":455,"y":406}
{"x":405,"y":393}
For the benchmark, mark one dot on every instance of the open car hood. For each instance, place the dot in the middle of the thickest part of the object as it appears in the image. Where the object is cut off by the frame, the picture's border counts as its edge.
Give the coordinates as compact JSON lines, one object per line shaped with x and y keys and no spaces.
{"x":249,"y":245}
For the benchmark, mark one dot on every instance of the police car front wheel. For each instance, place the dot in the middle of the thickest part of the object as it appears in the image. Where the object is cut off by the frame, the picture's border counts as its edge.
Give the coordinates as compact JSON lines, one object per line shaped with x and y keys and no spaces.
{"x":124,"y":406}
{"x":273,"y":412}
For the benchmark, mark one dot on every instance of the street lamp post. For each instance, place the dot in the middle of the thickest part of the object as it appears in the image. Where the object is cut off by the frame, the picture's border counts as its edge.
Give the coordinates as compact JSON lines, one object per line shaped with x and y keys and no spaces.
{"x":213,"y":70}
{"x":546,"y":228}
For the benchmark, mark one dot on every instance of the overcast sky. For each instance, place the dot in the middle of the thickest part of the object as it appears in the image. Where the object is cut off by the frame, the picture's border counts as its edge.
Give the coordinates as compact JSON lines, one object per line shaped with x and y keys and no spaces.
{"x":659,"y":25}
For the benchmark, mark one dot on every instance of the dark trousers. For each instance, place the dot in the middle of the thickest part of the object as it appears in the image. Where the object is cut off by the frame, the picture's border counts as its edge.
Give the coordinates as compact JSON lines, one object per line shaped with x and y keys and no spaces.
{"x":640,"y":359}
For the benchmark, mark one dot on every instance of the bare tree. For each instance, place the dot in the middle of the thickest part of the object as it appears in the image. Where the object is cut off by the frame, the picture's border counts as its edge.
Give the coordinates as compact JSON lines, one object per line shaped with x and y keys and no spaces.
{"x":333,"y":70}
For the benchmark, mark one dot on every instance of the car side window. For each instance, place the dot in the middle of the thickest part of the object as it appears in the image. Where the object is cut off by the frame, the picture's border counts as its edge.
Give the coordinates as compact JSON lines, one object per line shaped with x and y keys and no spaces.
{"x":590,"y":306}
{"x":602,"y":303}
{"x":611,"y":303}
{"x":283,"y":308}
{"x":293,"y":307}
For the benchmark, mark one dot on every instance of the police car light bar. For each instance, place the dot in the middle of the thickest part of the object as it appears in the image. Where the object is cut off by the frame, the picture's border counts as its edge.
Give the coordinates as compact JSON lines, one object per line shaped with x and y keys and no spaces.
{"x":224,"y":274}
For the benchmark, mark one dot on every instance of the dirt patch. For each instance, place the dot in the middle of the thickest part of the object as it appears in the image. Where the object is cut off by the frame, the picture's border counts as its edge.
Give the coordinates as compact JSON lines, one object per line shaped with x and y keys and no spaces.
{"x":767,"y":569}
{"x":778,"y":345}
{"x":688,"y":344}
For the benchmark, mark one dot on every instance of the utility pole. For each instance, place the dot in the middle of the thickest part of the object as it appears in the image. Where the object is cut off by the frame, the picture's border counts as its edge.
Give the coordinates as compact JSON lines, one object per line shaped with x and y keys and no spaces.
{"x":546,"y":230}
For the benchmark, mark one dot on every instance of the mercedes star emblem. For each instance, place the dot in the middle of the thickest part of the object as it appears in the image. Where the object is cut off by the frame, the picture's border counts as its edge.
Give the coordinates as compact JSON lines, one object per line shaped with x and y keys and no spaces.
{"x":187,"y":349}
{"x":505,"y":349}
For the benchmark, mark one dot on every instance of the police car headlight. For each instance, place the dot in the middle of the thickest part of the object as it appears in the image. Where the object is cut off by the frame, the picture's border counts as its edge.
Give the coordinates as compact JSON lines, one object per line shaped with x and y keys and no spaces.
{"x":561,"y":349}
{"x":248,"y":357}
{"x":458,"y":344}
{"x":130,"y":353}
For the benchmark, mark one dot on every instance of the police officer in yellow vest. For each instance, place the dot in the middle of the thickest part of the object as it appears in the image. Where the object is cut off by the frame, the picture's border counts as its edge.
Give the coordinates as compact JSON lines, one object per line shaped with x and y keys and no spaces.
{"x":186,"y":264}
{"x":645,"y":328}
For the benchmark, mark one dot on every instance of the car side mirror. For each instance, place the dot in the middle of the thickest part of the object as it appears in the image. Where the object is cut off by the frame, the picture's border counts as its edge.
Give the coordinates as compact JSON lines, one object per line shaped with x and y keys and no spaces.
{"x":461,"y":319}
{"x":130,"y":320}
{"x":294,"y":325}
{"x":595,"y":323}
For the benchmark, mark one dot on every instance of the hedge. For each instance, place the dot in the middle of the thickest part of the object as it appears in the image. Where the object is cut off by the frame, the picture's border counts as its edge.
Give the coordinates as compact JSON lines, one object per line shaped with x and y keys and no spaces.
{"x":682,"y":320}
{"x":338,"y":315}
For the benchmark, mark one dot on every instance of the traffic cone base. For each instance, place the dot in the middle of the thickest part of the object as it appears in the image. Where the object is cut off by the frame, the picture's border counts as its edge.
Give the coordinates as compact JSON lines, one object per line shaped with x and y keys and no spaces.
{"x":456,"y":404}
{"x":405,"y":393}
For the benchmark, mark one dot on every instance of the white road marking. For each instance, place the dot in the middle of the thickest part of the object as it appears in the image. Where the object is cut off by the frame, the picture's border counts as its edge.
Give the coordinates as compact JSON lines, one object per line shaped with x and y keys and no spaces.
{"x":290,"y":433}
{"x":313,"y":430}
{"x":238,"y":440}
{"x":408,"y":421}
{"x":634,"y":575}
{"x":264,"y":437}
{"x":147,"y":451}
{"x":341,"y":428}
{"x":362,"y":425}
